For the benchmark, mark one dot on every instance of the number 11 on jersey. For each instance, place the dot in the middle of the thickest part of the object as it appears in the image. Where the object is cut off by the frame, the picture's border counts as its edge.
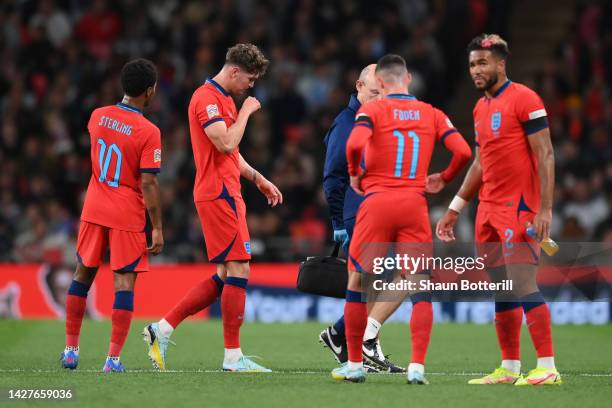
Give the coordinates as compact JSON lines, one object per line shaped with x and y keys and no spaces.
{"x":399,"y":158}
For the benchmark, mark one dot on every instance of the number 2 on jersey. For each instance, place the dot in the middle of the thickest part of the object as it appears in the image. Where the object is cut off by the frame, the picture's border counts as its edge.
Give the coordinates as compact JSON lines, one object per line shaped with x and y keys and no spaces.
{"x":399,"y":158}
{"x":105,"y":158}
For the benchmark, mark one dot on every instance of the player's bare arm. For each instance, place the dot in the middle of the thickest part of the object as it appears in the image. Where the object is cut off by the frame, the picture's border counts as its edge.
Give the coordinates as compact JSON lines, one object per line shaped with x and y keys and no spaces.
{"x":541,"y":145}
{"x":151,"y":195}
{"x":470,"y":186}
{"x":226,"y":140}
{"x":272,"y":193}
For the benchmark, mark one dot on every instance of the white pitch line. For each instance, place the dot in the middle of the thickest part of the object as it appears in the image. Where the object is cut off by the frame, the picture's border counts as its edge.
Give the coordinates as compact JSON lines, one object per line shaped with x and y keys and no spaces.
{"x":200,"y":371}
{"x":140,"y":371}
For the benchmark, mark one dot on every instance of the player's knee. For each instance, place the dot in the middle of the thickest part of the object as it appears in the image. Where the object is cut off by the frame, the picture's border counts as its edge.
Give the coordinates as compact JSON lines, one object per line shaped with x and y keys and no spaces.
{"x":354,"y":282}
{"x":84,"y":274}
{"x":238,"y":269}
{"x":523,"y":285}
{"x":523,"y":279}
{"x":523,"y":289}
{"x":125,"y":281}
{"x":221,"y":271}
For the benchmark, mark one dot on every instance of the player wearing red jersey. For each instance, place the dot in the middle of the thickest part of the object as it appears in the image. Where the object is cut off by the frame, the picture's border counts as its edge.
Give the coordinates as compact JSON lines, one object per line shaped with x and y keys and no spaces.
{"x":125,"y":158}
{"x":216,"y":129}
{"x":514,"y":172}
{"x":398,"y":134}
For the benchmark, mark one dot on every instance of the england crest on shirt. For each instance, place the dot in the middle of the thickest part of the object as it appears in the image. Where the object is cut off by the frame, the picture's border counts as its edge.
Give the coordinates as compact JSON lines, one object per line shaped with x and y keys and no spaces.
{"x":496,"y":121}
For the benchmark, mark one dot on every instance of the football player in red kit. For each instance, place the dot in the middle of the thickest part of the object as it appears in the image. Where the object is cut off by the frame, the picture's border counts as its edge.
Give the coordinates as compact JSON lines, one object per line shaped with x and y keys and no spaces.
{"x":125,"y":159}
{"x":513,"y":172}
{"x":398,"y":134}
{"x":217,"y":128}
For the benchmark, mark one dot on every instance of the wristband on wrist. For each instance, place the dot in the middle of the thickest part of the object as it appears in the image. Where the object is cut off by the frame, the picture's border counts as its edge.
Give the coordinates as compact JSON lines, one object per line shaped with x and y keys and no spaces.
{"x":457,"y":204}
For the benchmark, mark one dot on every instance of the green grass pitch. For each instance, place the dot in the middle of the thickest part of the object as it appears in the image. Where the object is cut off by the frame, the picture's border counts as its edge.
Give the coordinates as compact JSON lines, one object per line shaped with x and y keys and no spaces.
{"x":29,"y":352}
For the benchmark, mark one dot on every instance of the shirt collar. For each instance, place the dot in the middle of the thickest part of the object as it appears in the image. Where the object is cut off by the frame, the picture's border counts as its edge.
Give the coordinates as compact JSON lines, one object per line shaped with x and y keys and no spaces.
{"x":129,"y":108}
{"x":354,"y":103}
{"x":502,"y":89}
{"x":401,"y":96}
{"x":216,"y":85}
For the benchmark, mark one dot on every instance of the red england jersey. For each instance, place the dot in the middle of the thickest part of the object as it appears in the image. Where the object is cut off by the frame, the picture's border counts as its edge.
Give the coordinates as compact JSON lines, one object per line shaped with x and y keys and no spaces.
{"x":398,"y":152}
{"x":124,"y":144}
{"x":502,"y":126}
{"x":215,"y":170}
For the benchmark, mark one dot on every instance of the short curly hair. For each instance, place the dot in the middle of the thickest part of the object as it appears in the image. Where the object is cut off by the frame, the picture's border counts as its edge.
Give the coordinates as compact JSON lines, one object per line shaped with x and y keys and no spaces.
{"x":490,"y":42}
{"x":137,"y":76}
{"x":248,"y":57}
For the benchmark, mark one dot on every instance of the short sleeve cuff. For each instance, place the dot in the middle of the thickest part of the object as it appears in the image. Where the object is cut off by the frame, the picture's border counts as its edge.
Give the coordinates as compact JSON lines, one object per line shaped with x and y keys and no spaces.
{"x":447,"y":134}
{"x":210,"y":122}
{"x":150,"y":170}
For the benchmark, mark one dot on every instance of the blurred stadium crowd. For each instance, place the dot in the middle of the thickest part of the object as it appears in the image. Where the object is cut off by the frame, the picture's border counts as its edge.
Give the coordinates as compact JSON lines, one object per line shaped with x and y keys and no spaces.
{"x":575,"y":86}
{"x":61,"y":59}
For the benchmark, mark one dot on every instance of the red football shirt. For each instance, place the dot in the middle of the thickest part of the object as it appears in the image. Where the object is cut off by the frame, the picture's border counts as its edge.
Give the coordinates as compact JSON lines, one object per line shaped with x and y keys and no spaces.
{"x":404,"y":133}
{"x":124,"y":144}
{"x":210,"y":103}
{"x":502,"y":125}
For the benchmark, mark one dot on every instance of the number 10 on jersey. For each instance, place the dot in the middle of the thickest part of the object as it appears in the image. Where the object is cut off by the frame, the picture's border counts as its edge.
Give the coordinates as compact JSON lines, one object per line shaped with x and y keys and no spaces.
{"x":399,"y":158}
{"x":105,"y":159}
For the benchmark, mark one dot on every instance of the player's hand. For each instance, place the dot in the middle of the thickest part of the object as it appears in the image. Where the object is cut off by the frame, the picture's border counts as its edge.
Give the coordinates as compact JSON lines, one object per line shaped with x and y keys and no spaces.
{"x":271,"y":192}
{"x":250,"y":105}
{"x":434,"y":183}
{"x":356,"y":183}
{"x":341,"y":237}
{"x":444,"y":227}
{"x":541,"y":224}
{"x":157,"y":242}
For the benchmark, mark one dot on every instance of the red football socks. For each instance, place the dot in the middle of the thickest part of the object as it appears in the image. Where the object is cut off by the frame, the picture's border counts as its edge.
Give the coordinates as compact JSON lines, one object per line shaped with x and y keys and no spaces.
{"x":76,"y":304}
{"x":421,"y":322}
{"x":356,"y":320}
{"x":198,"y":298}
{"x":232,"y":309}
{"x":75,"y":311}
{"x":508,"y":327}
{"x":538,"y":323}
{"x":121,"y":320}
